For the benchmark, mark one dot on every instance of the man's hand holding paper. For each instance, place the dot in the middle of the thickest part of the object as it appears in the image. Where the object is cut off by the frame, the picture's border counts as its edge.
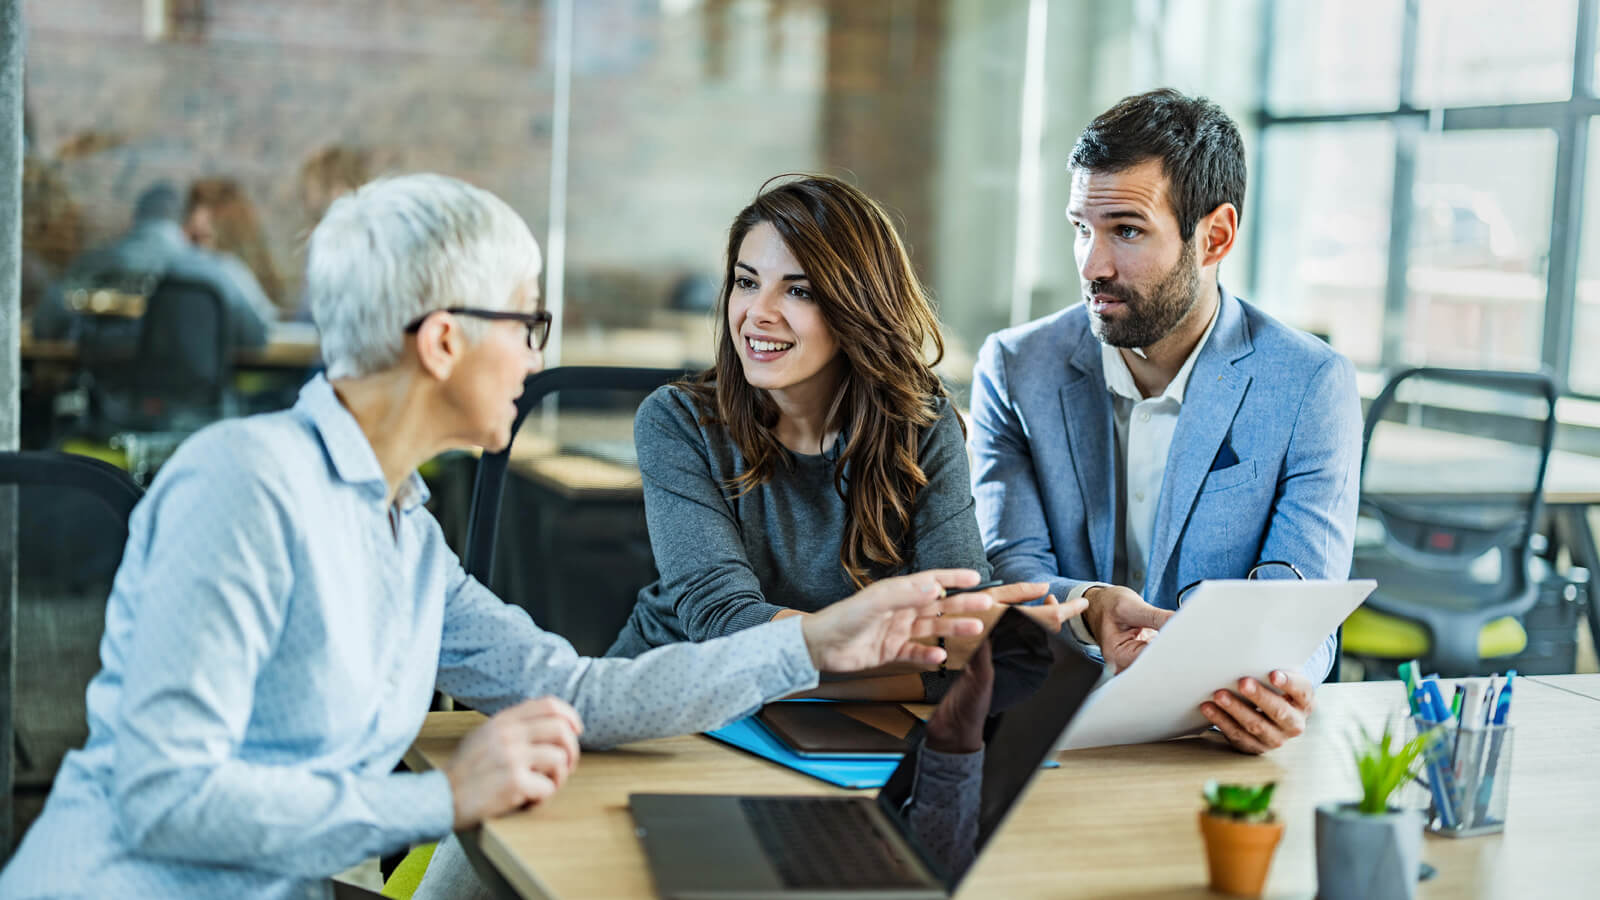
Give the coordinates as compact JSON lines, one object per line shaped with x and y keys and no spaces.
{"x":1199,"y":673}
{"x":1255,"y":717}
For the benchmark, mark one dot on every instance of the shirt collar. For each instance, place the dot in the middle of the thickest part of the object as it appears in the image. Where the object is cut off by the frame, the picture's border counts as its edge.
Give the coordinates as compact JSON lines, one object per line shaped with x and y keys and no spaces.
{"x":348,"y":448}
{"x":1119,"y":379}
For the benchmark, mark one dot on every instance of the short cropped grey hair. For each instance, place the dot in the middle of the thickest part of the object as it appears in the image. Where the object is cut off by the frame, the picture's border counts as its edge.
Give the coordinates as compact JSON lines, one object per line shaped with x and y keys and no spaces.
{"x":400,"y":247}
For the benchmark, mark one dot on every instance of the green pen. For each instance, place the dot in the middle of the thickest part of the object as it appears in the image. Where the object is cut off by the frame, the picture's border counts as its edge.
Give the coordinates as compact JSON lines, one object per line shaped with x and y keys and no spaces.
{"x":1455,"y":704}
{"x":1408,"y":677}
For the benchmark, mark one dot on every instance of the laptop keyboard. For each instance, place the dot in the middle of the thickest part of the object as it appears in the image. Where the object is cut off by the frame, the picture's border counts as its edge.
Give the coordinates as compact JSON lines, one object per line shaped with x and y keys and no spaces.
{"x":820,"y":842}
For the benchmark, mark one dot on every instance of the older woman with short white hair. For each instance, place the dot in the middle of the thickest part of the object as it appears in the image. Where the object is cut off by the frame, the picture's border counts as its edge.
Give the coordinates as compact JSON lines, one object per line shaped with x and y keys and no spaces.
{"x":285,"y":604}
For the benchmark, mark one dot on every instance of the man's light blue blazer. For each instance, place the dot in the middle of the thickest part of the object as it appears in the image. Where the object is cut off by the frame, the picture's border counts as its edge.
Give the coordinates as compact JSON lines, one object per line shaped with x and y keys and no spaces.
{"x":1264,"y":465}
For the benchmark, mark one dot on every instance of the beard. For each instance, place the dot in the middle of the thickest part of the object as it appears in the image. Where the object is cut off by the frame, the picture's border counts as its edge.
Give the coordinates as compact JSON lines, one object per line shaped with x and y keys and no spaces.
{"x":1148,"y":316}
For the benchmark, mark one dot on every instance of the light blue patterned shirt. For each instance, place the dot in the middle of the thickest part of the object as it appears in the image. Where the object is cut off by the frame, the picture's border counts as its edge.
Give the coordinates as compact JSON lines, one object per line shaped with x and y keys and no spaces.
{"x":272,"y":640}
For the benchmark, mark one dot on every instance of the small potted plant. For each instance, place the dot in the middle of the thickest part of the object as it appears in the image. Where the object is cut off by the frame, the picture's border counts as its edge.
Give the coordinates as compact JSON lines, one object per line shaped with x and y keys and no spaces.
{"x":1241,"y":835}
{"x":1372,"y":850}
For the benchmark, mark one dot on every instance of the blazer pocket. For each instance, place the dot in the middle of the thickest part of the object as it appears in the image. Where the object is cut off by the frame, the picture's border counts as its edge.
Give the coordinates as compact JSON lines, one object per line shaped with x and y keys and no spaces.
{"x":1232,"y":476}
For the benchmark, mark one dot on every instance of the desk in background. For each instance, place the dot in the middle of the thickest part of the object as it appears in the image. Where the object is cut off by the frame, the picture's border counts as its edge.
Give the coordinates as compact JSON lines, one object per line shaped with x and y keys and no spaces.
{"x":571,"y":545}
{"x":1116,"y":821}
{"x":290,"y":345}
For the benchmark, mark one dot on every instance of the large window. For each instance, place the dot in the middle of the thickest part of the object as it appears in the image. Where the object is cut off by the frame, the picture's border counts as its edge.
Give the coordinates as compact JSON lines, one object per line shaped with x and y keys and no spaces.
{"x":1420,"y":169}
{"x":1325,"y":232}
{"x":1585,"y":376}
{"x":1480,"y":239}
{"x":1335,"y":56}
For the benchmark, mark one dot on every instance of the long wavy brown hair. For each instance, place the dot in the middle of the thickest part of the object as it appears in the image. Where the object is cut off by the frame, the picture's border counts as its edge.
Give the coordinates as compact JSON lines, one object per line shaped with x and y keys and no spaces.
{"x":883,"y":322}
{"x":236,"y":229}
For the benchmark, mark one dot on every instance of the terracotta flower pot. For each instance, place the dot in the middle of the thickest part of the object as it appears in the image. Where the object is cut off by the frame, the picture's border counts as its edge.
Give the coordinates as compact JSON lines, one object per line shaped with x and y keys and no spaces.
{"x":1238,"y":854}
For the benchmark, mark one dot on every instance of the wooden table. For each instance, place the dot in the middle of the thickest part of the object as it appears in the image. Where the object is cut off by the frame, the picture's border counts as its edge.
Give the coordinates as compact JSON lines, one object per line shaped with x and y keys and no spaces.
{"x":1110,"y":822}
{"x":290,"y":345}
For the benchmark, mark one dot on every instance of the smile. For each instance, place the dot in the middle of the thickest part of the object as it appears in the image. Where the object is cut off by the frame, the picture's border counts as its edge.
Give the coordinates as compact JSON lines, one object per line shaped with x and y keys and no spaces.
{"x":767,"y":346}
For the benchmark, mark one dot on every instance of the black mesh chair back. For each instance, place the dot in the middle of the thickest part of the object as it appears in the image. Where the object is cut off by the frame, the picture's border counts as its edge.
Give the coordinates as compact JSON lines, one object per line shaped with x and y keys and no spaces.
{"x":109,"y":308}
{"x":71,"y":516}
{"x":568,"y":532}
{"x":1452,"y":482}
{"x":166,"y":369}
{"x":185,"y":357}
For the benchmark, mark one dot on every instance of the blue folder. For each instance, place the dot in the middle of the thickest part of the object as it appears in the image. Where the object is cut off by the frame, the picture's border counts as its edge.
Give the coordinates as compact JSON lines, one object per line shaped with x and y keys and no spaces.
{"x":751,"y":736}
{"x":748,"y":735}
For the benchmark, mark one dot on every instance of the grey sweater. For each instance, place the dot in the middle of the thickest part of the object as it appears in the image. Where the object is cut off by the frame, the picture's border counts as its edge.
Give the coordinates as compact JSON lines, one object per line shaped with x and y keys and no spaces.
{"x":728,"y":563}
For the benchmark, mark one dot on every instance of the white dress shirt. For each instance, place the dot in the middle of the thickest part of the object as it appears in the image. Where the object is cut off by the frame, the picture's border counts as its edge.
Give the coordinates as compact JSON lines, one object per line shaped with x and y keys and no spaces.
{"x":1144,"y":427}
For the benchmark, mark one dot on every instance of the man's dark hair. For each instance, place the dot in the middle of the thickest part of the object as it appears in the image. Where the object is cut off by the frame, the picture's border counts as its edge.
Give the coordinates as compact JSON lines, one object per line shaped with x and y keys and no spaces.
{"x":159,"y":202}
{"x":1198,"y":145}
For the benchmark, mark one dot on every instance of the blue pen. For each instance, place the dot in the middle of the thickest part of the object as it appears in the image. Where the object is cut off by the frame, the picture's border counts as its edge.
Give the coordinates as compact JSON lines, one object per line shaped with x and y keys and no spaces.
{"x":1502,"y":706}
{"x":1502,"y":713}
{"x":1437,"y":713}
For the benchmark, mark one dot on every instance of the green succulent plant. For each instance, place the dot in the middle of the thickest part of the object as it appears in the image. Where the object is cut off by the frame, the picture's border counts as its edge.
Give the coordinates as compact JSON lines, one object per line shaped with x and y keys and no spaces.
{"x":1384,"y":767}
{"x":1240,"y":802}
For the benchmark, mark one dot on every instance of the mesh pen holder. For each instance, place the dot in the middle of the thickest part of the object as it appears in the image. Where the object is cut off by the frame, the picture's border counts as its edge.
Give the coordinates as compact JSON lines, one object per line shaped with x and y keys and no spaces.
{"x":1465,"y":778}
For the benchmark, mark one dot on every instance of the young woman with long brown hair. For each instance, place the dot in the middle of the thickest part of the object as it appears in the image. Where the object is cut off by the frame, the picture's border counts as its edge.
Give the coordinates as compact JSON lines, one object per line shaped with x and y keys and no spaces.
{"x":820,"y":452}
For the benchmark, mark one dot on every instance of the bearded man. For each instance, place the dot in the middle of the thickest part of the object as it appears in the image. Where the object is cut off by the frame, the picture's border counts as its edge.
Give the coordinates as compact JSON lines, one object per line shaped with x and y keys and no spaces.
{"x":1164,"y":431}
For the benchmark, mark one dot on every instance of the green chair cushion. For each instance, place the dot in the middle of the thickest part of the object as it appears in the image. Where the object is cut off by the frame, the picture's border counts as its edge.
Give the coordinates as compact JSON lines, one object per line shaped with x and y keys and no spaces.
{"x":1371,"y":633}
{"x":407,"y":876}
{"x":96,"y":450}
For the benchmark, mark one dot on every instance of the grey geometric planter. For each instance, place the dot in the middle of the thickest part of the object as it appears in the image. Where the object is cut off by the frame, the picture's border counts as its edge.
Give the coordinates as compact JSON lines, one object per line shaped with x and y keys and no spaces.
{"x":1362,"y":857}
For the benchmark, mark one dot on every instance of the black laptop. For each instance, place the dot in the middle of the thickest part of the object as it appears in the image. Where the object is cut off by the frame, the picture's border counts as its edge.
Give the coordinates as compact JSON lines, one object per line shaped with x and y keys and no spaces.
{"x":910,"y":841}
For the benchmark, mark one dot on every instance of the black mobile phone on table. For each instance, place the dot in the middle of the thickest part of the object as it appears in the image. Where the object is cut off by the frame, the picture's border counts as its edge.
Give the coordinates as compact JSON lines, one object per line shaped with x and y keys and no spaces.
{"x":845,"y":730}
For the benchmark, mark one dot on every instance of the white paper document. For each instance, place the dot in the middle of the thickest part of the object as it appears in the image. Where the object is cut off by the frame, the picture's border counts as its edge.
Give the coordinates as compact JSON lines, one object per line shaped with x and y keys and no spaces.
{"x":1225,"y":631}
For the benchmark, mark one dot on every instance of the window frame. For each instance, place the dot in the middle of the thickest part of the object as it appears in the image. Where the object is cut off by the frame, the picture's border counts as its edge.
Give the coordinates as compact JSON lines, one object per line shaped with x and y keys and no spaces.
{"x":1569,"y":119}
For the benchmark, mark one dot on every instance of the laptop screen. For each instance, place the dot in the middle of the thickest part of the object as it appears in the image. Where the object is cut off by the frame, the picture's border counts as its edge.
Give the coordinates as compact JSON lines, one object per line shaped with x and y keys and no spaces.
{"x":1013,"y":699}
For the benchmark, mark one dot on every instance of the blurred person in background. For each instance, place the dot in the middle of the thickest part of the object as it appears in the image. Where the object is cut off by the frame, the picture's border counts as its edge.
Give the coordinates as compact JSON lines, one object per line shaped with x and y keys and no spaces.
{"x":153,"y":247}
{"x":52,"y":229}
{"x":329,"y":174}
{"x":219,"y":218}
{"x":325,"y":176}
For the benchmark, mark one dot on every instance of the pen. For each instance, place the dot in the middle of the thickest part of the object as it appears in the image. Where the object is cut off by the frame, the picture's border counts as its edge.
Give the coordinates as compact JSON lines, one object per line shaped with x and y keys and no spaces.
{"x":1433,"y":714}
{"x":1502,"y":706}
{"x":1455,"y":703}
{"x":1440,"y":712}
{"x":1469,"y":749}
{"x":1502,"y":716}
{"x":1408,"y":677}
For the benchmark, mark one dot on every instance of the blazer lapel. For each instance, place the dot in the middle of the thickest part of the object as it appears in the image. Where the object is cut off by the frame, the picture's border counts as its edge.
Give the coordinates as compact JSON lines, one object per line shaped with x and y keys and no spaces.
{"x":1211,"y":400}
{"x":1088,"y":417}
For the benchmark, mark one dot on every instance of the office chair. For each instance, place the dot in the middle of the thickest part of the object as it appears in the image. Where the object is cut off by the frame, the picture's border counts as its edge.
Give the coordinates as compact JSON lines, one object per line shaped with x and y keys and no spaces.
{"x":173,"y":379}
{"x":582,"y":555}
{"x":1452,"y":480}
{"x":71,"y":525}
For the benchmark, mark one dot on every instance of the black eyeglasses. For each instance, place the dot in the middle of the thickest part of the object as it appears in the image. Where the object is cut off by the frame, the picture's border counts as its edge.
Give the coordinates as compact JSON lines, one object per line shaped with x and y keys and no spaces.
{"x":537,"y":323}
{"x":1270,"y":569}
